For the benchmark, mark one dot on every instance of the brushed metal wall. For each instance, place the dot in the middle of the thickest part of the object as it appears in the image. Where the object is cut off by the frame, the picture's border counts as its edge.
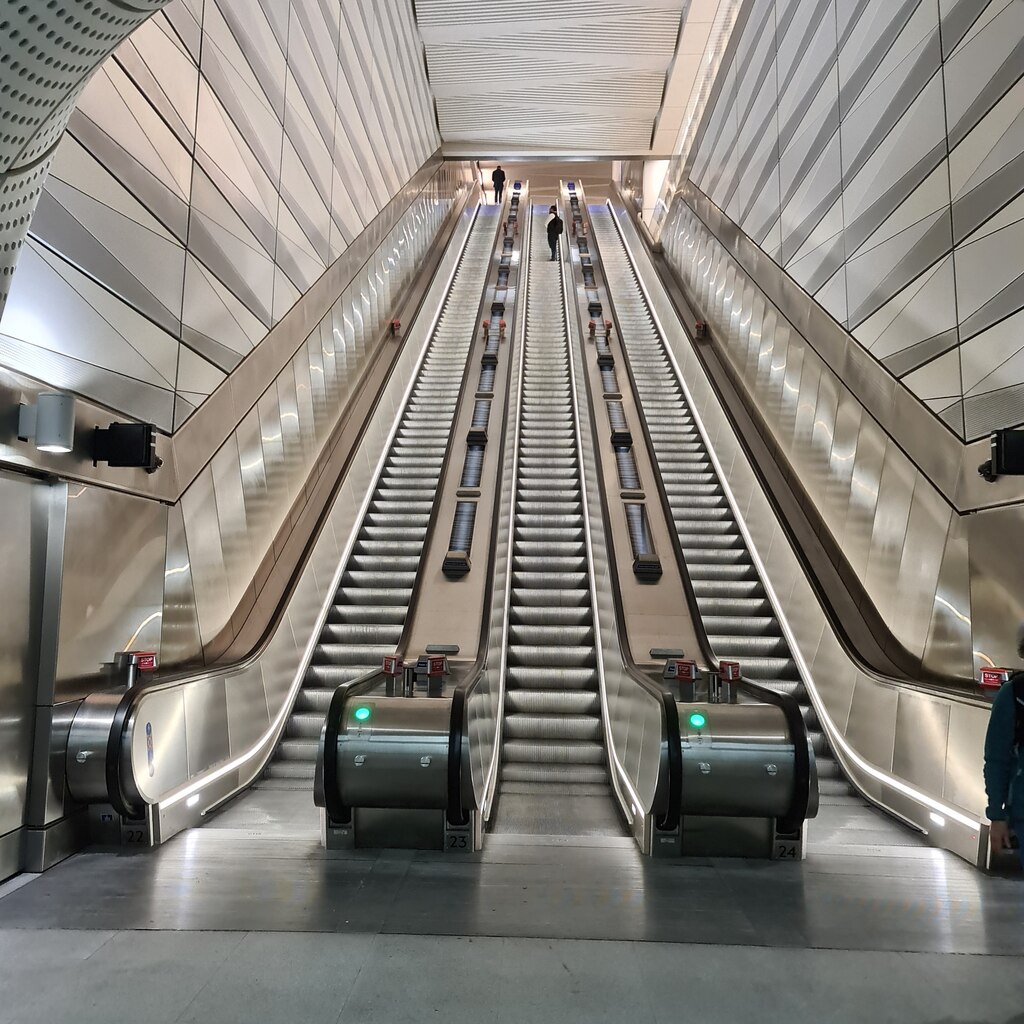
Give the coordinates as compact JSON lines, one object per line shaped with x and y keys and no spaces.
{"x":112,"y":584}
{"x":918,"y":754}
{"x":22,"y":554}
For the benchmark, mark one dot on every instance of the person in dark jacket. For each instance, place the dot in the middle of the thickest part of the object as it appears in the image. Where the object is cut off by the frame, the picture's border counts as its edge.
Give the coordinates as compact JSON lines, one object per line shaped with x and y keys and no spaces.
{"x":498,"y":181}
{"x":555,"y":228}
{"x":1004,"y":768}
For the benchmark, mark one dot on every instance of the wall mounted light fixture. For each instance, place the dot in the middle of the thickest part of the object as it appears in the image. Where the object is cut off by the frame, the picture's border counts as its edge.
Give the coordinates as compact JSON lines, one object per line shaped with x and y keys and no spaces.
{"x":50,"y":422}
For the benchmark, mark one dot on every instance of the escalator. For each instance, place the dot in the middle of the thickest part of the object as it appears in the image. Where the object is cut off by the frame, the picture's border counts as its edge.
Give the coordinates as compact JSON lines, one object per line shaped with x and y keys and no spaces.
{"x":554,"y":777}
{"x":372,"y":601}
{"x":736,"y":612}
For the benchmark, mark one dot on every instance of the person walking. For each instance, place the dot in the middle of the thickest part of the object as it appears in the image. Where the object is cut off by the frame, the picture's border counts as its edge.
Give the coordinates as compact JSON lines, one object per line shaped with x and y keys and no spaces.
{"x":498,"y":181}
{"x":555,"y":228}
{"x":1004,"y":763}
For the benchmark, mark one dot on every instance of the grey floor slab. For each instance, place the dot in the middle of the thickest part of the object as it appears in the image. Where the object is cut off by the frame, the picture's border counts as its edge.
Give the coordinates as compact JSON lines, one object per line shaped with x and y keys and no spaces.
{"x":155,"y":975}
{"x":305,"y":977}
{"x":224,"y":978}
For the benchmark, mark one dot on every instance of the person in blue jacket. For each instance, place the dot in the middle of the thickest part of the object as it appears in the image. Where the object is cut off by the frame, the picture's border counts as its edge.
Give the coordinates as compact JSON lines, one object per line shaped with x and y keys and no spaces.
{"x":1004,"y":768}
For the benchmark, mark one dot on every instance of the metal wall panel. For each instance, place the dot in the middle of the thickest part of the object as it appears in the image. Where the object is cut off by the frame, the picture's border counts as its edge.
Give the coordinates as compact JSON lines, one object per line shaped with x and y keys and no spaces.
{"x":22,"y":554}
{"x":997,"y":596}
{"x":231,"y":521}
{"x":209,"y":573}
{"x":921,"y":741}
{"x":236,"y":141}
{"x":180,"y":643}
{"x":255,"y":496}
{"x":885,"y":161}
{"x":949,"y":648}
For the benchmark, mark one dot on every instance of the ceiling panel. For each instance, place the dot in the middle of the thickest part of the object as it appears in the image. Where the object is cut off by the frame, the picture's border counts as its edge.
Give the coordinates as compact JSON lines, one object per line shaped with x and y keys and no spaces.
{"x":547,"y":76}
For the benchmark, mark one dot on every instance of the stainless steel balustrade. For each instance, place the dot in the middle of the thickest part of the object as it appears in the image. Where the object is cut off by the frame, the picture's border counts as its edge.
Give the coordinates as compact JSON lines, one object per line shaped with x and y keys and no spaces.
{"x":369,"y":611}
{"x":390,"y":761}
{"x":183,"y":747}
{"x":739,"y":619}
{"x":636,"y":729}
{"x":233,"y":509}
{"x":916,"y":754}
{"x":529,"y":702}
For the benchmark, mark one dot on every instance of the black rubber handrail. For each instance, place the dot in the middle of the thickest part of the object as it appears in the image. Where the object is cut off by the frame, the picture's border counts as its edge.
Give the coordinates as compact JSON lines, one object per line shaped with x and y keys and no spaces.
{"x":910,"y":673}
{"x":800,"y":797}
{"x":119,"y":799}
{"x":458,"y":814}
{"x":670,"y":819}
{"x":326,"y":793}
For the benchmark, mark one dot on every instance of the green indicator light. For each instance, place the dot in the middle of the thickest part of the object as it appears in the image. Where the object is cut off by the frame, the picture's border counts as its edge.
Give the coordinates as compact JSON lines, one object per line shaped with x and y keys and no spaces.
{"x":697,"y":720}
{"x":362,"y":714}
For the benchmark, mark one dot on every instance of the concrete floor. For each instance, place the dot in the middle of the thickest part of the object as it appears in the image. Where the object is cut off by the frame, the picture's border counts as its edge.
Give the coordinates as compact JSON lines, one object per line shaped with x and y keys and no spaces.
{"x":249,"y":919}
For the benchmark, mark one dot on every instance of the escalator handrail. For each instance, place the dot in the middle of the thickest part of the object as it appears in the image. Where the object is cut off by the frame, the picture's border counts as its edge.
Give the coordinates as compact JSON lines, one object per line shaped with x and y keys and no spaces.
{"x":326,"y":789}
{"x":800,"y":797}
{"x":116,"y":789}
{"x":335,"y":711}
{"x":671,"y":736}
{"x":459,"y":734}
{"x":119,"y":799}
{"x":954,"y":688}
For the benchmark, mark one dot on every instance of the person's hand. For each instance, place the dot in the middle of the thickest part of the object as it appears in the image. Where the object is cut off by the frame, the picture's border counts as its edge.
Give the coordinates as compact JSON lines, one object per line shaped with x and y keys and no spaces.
{"x":999,"y":836}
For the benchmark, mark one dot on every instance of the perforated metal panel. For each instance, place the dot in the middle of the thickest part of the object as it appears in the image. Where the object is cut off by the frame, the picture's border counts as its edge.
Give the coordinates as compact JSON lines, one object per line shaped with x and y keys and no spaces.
{"x":48,"y":50}
{"x":19,"y":193}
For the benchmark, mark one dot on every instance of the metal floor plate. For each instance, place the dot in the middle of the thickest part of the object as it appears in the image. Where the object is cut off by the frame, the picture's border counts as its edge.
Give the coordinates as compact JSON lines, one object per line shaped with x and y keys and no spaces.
{"x":523,"y":811}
